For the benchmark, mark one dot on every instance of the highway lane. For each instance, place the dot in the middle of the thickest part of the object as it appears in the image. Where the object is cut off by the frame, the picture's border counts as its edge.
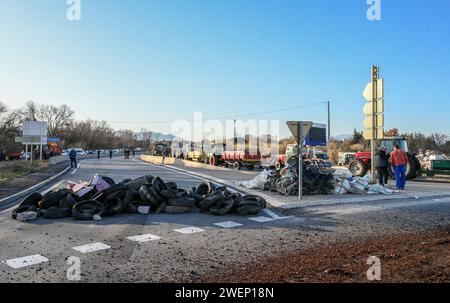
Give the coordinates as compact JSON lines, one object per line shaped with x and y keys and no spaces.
{"x":174,"y":256}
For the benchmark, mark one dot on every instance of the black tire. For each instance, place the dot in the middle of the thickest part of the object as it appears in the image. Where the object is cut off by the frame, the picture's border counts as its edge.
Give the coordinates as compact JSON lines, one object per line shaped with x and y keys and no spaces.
{"x":171,"y":185}
{"x":144,"y":193}
{"x":357,"y":168}
{"x":126,"y":181}
{"x":137,"y":183}
{"x":32,"y":199}
{"x":186,"y":202}
{"x":249,"y":199}
{"x":86,"y":210}
{"x":412,"y":173}
{"x":168,"y":194}
{"x":224,"y":208}
{"x":52,"y":199}
{"x":56,"y":213}
{"x":211,"y":200}
{"x":155,"y":195}
{"x":161,"y":207}
{"x":248,"y":210}
{"x":158,"y":184}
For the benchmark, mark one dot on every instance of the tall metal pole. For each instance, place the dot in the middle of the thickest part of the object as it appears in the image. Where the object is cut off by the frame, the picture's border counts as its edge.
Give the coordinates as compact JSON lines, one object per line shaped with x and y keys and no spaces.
{"x":329,"y":125}
{"x":300,"y":161}
{"x":374,"y":120}
{"x":235,"y":138}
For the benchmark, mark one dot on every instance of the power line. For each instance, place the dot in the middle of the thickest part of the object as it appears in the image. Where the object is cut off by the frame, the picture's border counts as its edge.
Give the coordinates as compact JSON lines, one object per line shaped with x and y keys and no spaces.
{"x":225,"y":117}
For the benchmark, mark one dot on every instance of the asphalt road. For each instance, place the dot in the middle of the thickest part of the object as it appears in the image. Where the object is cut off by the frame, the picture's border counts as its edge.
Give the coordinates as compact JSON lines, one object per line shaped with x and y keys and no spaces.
{"x":173,"y":256}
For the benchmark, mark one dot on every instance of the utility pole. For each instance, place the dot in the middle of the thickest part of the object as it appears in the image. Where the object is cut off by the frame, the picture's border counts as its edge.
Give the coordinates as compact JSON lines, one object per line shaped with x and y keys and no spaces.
{"x":329,"y":125}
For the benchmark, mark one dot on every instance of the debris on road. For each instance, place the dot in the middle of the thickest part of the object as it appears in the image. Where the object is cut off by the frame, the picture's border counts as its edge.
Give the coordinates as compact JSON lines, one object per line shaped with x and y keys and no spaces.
{"x":316,"y":181}
{"x":101,"y":196}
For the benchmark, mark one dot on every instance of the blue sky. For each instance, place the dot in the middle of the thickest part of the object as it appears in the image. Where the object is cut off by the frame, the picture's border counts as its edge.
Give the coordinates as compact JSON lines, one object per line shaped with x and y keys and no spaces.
{"x":129,"y":60}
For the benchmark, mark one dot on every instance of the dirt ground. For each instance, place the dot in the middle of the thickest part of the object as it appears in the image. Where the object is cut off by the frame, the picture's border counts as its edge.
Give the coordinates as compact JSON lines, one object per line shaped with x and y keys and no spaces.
{"x":418,"y":257}
{"x":21,"y":177}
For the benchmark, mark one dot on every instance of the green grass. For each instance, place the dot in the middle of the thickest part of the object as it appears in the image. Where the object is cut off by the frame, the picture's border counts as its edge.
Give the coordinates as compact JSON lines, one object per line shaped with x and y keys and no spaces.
{"x":13,"y":169}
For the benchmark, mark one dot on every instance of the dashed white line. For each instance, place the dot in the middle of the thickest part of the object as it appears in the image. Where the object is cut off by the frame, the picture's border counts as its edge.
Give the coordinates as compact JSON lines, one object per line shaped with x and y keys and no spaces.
{"x":143,"y":238}
{"x":88,"y":248}
{"x":227,"y":224}
{"x":274,"y":215}
{"x":189,"y":230}
{"x":25,"y":261}
{"x":74,"y":171}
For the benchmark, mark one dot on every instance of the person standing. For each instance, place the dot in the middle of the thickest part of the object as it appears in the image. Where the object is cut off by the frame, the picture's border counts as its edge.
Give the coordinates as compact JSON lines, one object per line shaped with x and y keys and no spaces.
{"x":399,"y":160}
{"x":110,"y":154}
{"x":73,"y":158}
{"x":134,"y":153}
{"x":98,"y":154}
{"x":381,"y":161}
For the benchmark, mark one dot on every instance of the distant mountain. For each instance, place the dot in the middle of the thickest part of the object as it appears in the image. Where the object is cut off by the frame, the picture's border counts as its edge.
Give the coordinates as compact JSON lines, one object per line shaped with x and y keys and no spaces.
{"x":342,"y":137}
{"x":154,"y":136}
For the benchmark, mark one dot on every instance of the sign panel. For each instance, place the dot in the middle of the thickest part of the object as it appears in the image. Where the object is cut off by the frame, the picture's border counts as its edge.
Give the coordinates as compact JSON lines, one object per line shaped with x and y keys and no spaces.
{"x":367,"y":109}
{"x":294,"y":125}
{"x":379,"y":134}
{"x":35,"y":128}
{"x":368,"y":93}
{"x":368,"y":122}
{"x":317,"y":135}
{"x":31,"y":140}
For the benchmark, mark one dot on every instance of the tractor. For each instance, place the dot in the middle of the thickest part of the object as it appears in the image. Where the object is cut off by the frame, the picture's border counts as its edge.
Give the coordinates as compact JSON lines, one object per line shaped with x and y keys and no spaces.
{"x":362,"y":161}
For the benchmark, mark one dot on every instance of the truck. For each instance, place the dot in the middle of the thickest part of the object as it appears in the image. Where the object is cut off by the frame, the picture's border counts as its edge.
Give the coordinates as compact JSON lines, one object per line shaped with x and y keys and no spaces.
{"x":361,"y":164}
{"x":236,"y":159}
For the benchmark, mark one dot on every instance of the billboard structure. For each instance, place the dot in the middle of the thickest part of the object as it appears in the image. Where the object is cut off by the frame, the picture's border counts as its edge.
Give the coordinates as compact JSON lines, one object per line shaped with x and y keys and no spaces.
{"x":33,"y":133}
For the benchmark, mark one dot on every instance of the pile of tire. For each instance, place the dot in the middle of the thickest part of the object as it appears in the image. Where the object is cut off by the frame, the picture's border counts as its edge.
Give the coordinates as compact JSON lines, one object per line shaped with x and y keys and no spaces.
{"x":140,"y":195}
{"x":221,"y":201}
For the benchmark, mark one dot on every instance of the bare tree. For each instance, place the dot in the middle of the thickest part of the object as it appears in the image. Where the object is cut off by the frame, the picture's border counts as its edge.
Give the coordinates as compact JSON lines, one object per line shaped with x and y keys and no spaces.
{"x":57,"y":117}
{"x":439,"y":139}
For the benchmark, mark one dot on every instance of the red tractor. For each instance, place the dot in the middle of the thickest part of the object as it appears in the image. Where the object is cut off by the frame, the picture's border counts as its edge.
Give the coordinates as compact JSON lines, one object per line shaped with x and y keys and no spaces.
{"x":362,"y":162}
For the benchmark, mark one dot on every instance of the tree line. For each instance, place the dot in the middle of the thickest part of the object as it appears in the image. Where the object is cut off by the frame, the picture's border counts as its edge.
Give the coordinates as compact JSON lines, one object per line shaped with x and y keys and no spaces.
{"x":87,"y":134}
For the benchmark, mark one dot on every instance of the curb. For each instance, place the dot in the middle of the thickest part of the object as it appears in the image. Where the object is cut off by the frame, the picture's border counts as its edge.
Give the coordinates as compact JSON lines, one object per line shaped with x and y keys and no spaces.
{"x":8,"y":200}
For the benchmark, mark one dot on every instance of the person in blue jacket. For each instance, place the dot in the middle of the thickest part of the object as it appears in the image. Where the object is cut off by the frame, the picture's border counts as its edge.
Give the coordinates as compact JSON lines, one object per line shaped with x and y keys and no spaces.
{"x":73,"y":158}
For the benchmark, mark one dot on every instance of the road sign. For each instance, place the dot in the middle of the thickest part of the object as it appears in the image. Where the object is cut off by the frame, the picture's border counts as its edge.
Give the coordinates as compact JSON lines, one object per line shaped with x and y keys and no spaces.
{"x":30,"y":140}
{"x":379,"y":119}
{"x":367,"y":109}
{"x":368,"y":91}
{"x":379,"y":133}
{"x":34,"y":128}
{"x":294,"y":127}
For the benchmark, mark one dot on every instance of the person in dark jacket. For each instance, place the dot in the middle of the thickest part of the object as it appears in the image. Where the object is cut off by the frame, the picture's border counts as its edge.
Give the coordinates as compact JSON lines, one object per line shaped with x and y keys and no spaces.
{"x":98,"y":154}
{"x":73,"y":158}
{"x":110,"y":154}
{"x":381,"y":161}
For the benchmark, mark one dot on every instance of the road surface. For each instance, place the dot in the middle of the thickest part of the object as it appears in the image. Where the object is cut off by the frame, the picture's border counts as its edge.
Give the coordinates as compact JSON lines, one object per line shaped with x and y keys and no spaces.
{"x":168,"y":254}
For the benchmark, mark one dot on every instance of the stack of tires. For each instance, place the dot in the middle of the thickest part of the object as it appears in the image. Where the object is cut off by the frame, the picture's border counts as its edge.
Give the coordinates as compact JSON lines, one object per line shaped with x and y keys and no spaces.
{"x":140,"y":195}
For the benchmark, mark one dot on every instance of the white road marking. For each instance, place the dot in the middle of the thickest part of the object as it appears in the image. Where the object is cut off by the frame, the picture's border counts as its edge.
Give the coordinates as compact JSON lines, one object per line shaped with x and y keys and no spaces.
{"x":261,"y":219}
{"x":88,"y":248}
{"x":189,"y":230}
{"x":227,"y":224}
{"x":74,"y":171}
{"x":144,"y":238}
{"x":25,"y":261}
{"x":274,"y":215}
{"x":79,"y":164}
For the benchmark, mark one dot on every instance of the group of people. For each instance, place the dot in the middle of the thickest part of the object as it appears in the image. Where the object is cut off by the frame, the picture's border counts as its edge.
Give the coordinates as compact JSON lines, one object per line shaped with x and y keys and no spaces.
{"x":399,"y":160}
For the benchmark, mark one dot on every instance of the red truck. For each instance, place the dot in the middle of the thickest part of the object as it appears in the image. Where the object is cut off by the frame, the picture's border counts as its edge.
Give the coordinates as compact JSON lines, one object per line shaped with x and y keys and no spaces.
{"x":236,"y":159}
